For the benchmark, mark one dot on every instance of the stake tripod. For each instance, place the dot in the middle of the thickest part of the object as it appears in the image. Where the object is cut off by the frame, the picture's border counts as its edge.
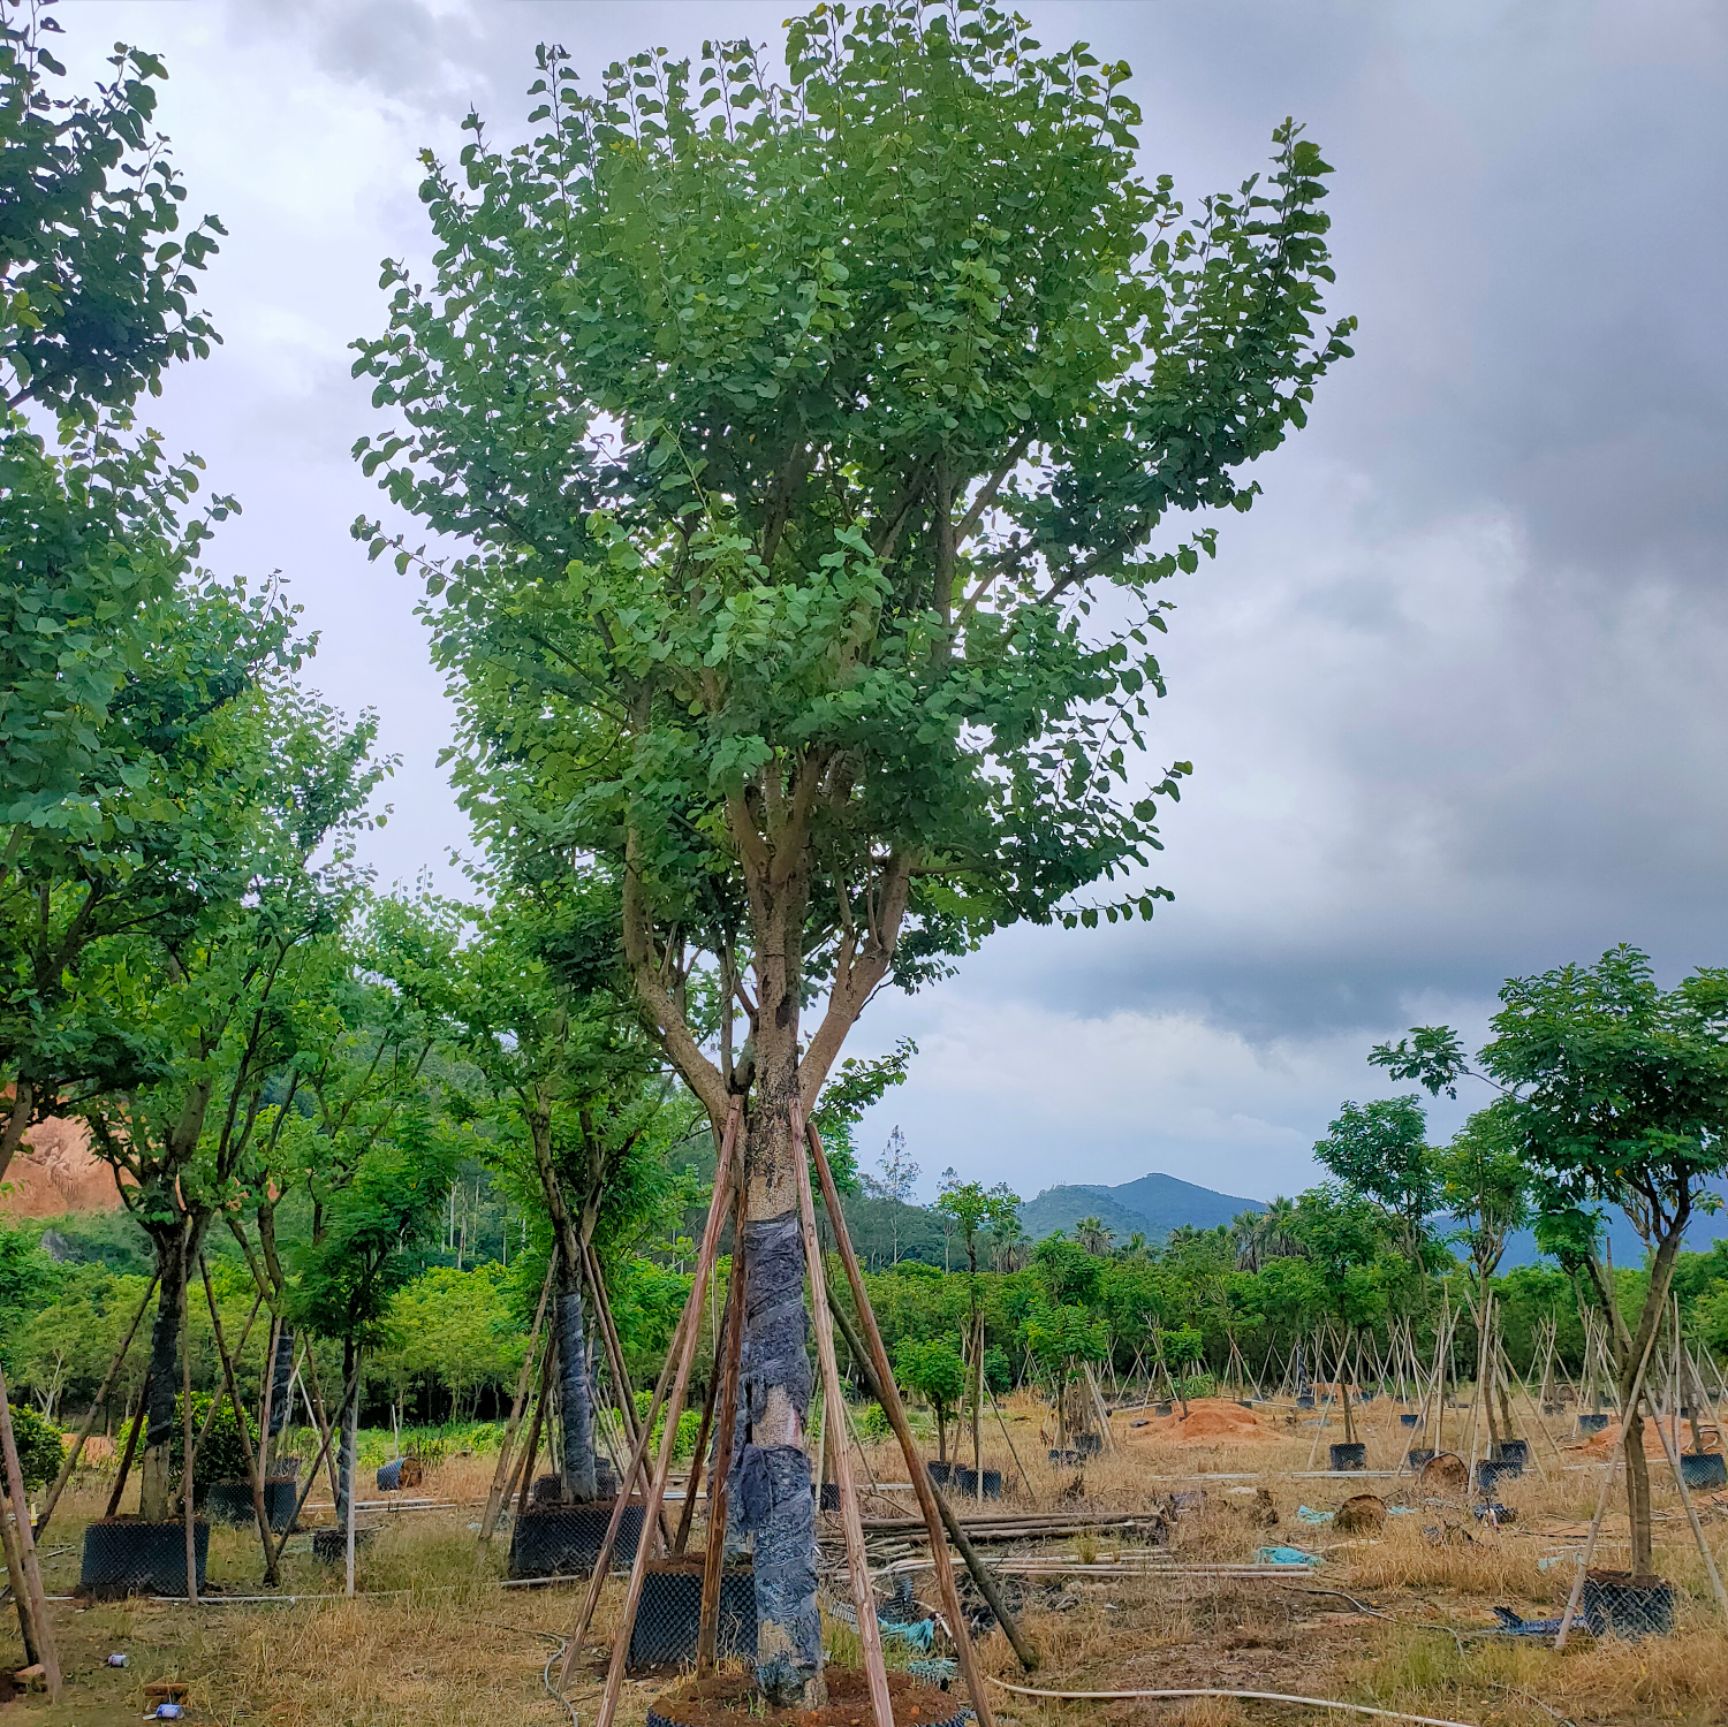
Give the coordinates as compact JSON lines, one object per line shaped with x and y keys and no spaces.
{"x":21,"y":1563}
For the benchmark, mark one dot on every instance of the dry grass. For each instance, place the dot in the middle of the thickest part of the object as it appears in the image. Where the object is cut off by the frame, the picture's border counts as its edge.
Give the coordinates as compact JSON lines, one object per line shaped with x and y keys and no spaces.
{"x":438,"y":1641}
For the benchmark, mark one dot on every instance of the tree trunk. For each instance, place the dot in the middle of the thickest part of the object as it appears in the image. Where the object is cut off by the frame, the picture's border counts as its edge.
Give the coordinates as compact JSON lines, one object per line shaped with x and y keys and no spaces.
{"x":772,"y":1492}
{"x":941,"y":1434}
{"x":281,"y":1389}
{"x":155,"y":1485}
{"x":576,"y":1391}
{"x":1638,"y":1496}
{"x":17,"y":1120}
{"x":576,"y":1469}
{"x":350,"y":1432}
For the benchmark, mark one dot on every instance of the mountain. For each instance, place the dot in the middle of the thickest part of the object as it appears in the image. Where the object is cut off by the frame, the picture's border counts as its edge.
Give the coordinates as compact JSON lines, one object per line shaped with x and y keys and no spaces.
{"x":1154,"y":1205}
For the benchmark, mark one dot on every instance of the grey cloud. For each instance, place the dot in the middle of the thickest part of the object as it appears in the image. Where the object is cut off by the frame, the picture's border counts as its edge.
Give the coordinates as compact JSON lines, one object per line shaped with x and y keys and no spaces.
{"x":1453,"y":689}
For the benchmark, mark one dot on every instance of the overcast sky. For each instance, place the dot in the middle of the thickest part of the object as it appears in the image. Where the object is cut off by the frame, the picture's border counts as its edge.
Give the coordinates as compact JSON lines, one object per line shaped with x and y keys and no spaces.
{"x":1454,"y":691}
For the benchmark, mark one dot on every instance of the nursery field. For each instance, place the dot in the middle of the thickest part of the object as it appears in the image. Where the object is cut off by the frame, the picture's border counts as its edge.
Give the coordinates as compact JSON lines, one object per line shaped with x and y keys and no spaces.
{"x":1154,"y":1580}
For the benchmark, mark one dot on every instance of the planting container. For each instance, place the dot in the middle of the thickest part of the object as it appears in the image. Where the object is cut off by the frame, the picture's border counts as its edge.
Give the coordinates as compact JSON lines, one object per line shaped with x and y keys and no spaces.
{"x":564,"y":1540}
{"x":1618,"y":1604}
{"x":1351,"y":1456}
{"x":125,"y":1556}
{"x":964,"y":1482}
{"x":669,"y":1615}
{"x":1704,"y":1469}
{"x":231,"y":1501}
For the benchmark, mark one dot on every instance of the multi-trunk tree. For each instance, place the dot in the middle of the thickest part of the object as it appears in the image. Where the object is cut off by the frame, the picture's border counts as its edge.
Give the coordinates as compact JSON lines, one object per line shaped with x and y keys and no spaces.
{"x":815,"y":444}
{"x":213,"y":1002}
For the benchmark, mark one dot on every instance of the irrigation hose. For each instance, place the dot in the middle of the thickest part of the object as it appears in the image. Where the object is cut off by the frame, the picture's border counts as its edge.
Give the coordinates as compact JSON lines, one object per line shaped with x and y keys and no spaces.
{"x":1172,"y":1693}
{"x":560,"y":1645}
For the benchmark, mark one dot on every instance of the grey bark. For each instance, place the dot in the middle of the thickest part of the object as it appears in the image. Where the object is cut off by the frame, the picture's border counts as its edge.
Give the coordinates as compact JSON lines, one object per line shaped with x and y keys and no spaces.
{"x":576,"y":1392}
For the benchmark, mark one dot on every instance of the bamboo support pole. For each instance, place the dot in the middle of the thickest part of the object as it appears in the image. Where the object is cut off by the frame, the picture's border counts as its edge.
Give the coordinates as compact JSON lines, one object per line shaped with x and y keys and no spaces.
{"x":524,"y":1381}
{"x":32,"y":1602}
{"x":723,"y":1177}
{"x":254,"y":1462}
{"x":677,"y":1365}
{"x":188,"y":1479}
{"x":522,"y":1483}
{"x":720,"y":1480}
{"x":130,"y":1449}
{"x":857,"y":1563}
{"x":698,"y":1457}
{"x":965,"y":1655}
{"x":351,"y":1391}
{"x":1610,"y":1472}
{"x":980,"y":1573}
{"x":88,"y":1425}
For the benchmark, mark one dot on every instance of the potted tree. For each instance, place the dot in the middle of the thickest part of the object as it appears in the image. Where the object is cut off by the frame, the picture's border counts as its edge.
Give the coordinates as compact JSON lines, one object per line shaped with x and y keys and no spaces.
{"x":785,"y":499}
{"x":1614,"y":1091}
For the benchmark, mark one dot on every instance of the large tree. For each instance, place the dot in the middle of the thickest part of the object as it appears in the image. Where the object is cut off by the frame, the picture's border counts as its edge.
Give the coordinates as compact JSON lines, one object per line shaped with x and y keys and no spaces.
{"x":1614,"y":1091}
{"x":813,"y":443}
{"x":214,"y":1002}
{"x":98,"y":533}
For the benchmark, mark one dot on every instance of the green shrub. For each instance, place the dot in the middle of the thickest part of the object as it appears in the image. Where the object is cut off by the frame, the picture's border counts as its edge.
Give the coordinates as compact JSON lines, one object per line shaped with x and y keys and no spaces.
{"x":220,"y":1455}
{"x":41,"y":1448}
{"x":872,"y":1422}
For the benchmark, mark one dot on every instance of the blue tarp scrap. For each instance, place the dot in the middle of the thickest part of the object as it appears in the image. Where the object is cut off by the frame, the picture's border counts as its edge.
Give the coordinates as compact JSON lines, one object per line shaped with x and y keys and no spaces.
{"x":1287,"y":1556}
{"x":920,"y":1635}
{"x":1309,"y":1515}
{"x":1515,"y":1625}
{"x":936,"y":1670}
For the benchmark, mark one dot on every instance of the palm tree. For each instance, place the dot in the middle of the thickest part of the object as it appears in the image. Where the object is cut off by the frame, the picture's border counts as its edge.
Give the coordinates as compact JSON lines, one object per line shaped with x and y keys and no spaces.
{"x":1248,"y":1239}
{"x":1093,"y":1235}
{"x":1280,"y":1240}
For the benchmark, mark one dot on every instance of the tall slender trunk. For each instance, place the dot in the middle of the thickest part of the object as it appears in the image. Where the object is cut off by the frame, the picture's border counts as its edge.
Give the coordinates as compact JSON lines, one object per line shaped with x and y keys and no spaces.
{"x":155,"y":1469}
{"x":350,"y":1433}
{"x":576,"y":1467}
{"x":576,"y":1391}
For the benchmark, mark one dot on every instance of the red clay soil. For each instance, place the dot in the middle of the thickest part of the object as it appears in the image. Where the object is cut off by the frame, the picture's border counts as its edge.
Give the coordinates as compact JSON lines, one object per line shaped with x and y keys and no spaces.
{"x":1600,"y":1444}
{"x":55,"y":1172}
{"x":730,"y":1699}
{"x":1209,"y":1421}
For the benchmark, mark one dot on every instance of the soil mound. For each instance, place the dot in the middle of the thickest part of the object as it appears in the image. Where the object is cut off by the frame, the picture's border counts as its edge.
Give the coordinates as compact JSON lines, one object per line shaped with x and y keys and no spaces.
{"x":1600,"y":1444}
{"x":55,"y":1172}
{"x":1209,"y":1421}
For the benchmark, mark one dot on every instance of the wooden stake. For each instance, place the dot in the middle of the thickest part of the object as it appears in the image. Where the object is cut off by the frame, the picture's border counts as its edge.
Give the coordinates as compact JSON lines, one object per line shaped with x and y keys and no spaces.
{"x":524,"y":1379}
{"x":1608,"y":1477}
{"x":88,"y":1425}
{"x":126,"y":1455}
{"x":350,"y":1467}
{"x":892,"y":1407}
{"x":254,"y":1472}
{"x":857,"y":1563}
{"x":351,"y":1391}
{"x":681,"y":1540}
{"x":29,"y":1574}
{"x":523,"y":1484}
{"x":981,"y":1575}
{"x":189,"y":1510}
{"x":677,"y":1362}
{"x":720,"y":1480}
{"x":692,"y":1324}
